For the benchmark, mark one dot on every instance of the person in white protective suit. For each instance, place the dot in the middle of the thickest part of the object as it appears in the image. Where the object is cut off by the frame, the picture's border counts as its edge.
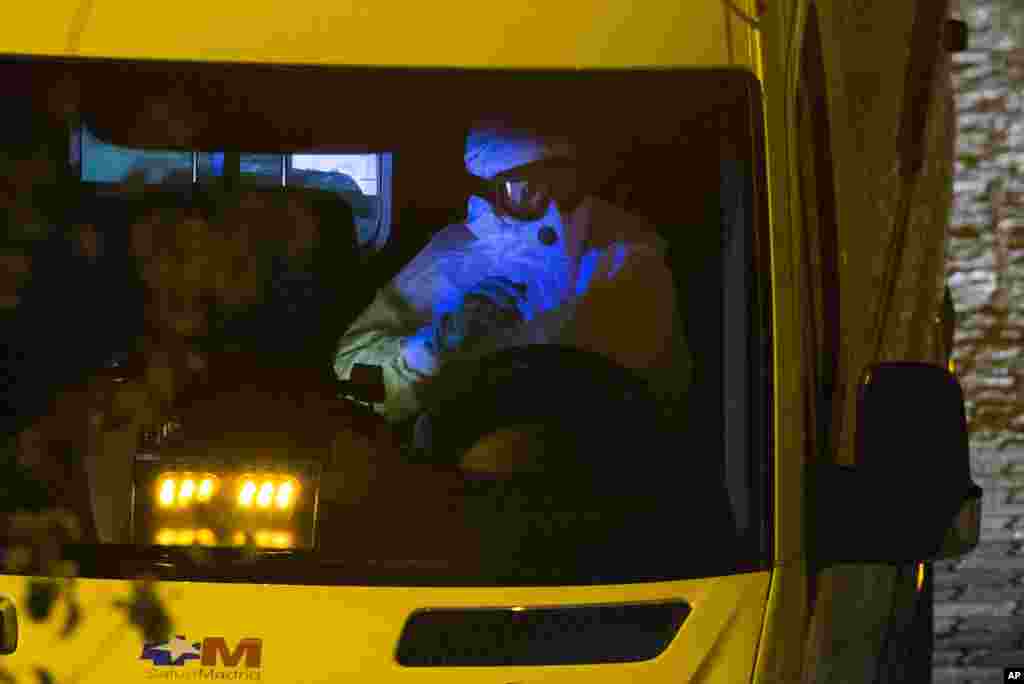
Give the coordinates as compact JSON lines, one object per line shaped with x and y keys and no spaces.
{"x":537,"y":262}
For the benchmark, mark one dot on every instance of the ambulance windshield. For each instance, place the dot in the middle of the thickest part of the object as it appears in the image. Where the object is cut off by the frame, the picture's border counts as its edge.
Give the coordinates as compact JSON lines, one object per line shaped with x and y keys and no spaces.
{"x":559,"y":279}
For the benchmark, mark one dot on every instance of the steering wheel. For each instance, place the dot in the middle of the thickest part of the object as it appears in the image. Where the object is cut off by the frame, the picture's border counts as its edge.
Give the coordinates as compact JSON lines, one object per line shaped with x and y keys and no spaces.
{"x":613,"y":474}
{"x":588,"y":407}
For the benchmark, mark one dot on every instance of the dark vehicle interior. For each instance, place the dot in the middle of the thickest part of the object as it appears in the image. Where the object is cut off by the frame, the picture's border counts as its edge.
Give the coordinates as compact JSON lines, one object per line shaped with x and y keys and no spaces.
{"x":686,"y":172}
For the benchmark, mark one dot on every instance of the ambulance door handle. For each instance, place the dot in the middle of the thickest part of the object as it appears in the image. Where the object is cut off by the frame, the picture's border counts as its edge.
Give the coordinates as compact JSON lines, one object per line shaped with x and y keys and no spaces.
{"x":8,"y":626}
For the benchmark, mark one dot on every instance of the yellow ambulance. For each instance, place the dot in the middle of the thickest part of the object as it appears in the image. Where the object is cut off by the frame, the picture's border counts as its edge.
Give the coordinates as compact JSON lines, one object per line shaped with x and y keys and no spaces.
{"x":796,"y":157}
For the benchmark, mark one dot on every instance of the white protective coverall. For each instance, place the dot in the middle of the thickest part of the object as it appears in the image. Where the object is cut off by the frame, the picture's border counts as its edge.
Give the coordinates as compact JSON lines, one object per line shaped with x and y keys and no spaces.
{"x":603,"y":286}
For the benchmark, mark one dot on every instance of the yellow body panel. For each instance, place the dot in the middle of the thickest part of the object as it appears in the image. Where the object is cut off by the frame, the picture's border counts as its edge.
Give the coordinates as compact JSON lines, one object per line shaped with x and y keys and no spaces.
{"x":836,"y":635}
{"x":461,"y":33}
{"x":39,"y":28}
{"x":321,"y":634}
{"x":343,"y":633}
{"x":316,"y":634}
{"x":783,"y":641}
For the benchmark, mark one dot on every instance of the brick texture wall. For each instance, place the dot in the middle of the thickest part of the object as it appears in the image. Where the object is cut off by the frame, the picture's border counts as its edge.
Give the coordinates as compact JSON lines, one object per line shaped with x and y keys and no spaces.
{"x":979,"y":600}
{"x":986,"y":242}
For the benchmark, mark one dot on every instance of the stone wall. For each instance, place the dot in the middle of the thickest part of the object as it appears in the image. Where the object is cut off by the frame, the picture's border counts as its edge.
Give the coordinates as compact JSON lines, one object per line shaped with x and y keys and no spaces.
{"x":979,"y":600}
{"x":986,"y":245}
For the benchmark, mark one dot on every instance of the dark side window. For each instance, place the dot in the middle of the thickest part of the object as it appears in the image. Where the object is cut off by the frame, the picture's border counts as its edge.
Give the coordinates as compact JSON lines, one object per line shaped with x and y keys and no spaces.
{"x":820,"y":244}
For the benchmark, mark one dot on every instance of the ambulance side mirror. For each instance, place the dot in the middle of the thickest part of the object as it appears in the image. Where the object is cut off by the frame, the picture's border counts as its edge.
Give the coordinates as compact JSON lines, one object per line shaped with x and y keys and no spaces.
{"x":910,"y":496}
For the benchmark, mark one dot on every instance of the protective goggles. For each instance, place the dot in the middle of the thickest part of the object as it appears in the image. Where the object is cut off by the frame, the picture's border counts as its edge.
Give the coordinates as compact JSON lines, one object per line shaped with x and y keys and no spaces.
{"x":526,"y":192}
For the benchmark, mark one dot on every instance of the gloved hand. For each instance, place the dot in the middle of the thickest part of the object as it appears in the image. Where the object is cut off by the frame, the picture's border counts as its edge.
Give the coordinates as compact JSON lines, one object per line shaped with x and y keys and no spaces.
{"x":494,"y":304}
